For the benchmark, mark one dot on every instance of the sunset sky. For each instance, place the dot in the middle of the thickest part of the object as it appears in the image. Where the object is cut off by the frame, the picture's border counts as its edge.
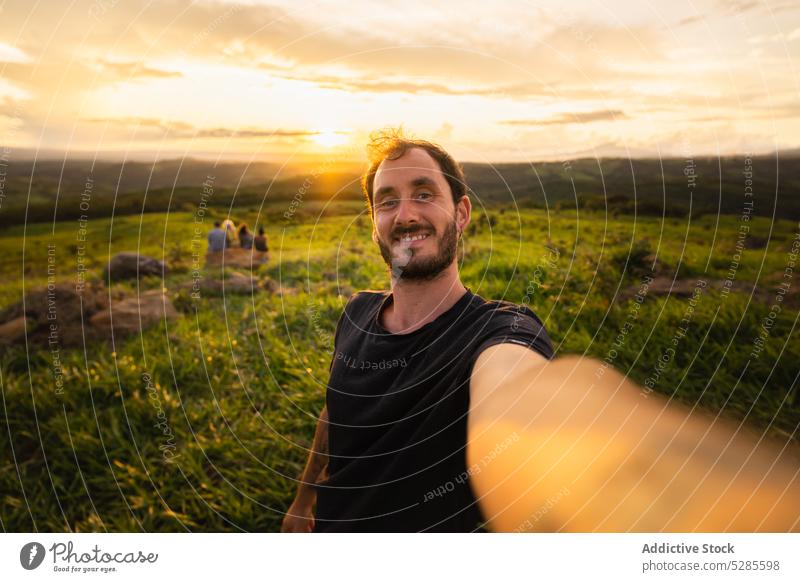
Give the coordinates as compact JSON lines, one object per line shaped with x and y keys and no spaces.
{"x":505,"y":81}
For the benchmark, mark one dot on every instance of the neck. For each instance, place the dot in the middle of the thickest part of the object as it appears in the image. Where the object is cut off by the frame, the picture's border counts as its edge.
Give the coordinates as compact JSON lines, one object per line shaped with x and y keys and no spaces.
{"x":416,"y":303}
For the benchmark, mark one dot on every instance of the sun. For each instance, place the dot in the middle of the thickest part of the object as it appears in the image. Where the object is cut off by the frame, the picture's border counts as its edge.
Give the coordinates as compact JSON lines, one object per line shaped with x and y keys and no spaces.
{"x":329,"y":138}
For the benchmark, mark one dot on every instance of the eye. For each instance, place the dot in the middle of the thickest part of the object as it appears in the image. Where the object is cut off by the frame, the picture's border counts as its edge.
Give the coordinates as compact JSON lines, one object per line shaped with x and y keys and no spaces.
{"x":424,"y":195}
{"x":386,"y":204}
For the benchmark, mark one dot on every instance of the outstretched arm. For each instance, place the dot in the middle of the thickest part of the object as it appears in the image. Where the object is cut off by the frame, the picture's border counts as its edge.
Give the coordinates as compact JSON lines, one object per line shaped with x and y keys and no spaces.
{"x":558,"y":448}
{"x":300,"y":516}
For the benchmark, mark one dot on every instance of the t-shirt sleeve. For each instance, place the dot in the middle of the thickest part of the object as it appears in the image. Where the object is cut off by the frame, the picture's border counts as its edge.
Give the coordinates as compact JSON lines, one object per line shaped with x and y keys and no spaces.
{"x":515,"y":324}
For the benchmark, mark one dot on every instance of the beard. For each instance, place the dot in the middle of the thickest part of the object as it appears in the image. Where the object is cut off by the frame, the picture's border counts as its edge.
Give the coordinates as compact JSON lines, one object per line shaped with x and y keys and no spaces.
{"x":407,"y":266}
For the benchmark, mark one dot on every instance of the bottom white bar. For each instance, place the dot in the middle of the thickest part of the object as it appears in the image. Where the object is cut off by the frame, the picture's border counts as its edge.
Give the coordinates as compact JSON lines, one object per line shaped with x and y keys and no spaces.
{"x":355,"y":557}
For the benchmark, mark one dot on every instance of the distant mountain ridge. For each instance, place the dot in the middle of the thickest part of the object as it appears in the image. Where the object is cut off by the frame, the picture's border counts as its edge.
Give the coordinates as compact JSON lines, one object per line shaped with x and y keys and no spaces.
{"x":647,"y":186}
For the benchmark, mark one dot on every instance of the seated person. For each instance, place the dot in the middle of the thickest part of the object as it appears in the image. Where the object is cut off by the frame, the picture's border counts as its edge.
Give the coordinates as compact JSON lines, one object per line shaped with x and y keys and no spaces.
{"x":230,"y":232}
{"x":261,"y":241}
{"x":216,"y":239}
{"x":245,"y":237}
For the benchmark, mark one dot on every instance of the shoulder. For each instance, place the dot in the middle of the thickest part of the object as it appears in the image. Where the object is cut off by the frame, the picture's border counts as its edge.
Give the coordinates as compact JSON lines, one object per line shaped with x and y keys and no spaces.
{"x":502,"y":322}
{"x":506,"y":312}
{"x":362,"y":304}
{"x":357,"y":312}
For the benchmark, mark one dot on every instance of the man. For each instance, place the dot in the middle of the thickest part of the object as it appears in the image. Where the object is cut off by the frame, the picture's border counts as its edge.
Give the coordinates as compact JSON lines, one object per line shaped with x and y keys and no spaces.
{"x":217,"y":239}
{"x":443,"y":411}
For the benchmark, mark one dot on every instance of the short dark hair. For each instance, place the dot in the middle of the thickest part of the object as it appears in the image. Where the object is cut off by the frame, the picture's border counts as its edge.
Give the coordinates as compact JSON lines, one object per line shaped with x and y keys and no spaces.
{"x":261,"y":230}
{"x":217,"y":223}
{"x":391,"y":144}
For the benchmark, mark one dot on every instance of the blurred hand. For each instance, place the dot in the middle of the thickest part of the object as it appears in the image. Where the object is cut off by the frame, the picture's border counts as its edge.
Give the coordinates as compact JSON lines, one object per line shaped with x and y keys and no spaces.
{"x":299,"y":519}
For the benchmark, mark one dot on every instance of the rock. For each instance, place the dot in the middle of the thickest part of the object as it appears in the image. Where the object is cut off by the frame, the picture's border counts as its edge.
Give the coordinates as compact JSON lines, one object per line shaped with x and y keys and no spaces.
{"x":134,"y":314}
{"x":270,"y":286}
{"x":133,"y":265}
{"x":755,"y":242}
{"x":56,"y":314}
{"x":240,"y":283}
{"x":234,"y":283}
{"x":665,"y":286}
{"x":12,"y":331}
{"x":60,"y":316}
{"x":237,"y":258}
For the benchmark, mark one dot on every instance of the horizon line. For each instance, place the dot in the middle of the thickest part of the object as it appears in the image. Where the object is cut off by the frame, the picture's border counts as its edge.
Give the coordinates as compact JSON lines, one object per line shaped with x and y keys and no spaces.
{"x":117,"y":156}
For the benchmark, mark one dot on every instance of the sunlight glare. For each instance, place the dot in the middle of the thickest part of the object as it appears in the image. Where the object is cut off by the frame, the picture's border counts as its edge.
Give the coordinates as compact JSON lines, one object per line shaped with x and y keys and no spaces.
{"x":329,"y":138}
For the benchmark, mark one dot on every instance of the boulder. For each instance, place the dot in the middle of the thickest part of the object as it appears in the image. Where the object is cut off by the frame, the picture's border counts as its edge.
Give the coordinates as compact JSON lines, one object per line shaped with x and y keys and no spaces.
{"x":59,"y":316}
{"x":233,"y":282}
{"x":133,"y":314}
{"x":237,"y":258}
{"x":55,"y":313}
{"x":12,"y":331}
{"x":132,"y":266}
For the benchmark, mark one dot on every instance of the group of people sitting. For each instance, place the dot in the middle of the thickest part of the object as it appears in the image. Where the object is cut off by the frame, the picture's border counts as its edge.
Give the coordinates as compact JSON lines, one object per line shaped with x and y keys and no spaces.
{"x":224,"y":236}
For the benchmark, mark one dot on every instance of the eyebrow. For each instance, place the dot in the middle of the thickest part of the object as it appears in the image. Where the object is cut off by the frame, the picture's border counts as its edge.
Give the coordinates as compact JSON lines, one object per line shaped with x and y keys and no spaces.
{"x":416,"y":183}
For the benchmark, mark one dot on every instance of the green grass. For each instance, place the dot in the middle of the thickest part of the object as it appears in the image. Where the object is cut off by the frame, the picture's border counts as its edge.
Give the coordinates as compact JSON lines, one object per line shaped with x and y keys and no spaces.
{"x":240,"y":379}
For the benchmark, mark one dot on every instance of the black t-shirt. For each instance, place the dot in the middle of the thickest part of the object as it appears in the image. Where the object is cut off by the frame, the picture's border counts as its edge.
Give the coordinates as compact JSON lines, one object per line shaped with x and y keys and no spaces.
{"x":397,"y":412}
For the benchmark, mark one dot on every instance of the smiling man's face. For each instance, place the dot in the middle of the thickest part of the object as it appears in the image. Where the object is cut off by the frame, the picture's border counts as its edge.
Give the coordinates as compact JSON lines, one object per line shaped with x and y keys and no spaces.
{"x":417,"y":224}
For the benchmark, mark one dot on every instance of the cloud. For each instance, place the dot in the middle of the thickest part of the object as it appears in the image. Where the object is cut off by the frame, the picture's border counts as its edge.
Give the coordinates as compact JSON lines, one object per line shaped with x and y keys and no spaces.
{"x":510,"y":51}
{"x":780,"y":110}
{"x":390,"y":84}
{"x":182,"y":130}
{"x":128,"y":71}
{"x":777,"y":37}
{"x":11,"y":54}
{"x":470,"y":64}
{"x":690,"y":20}
{"x":742,"y":6}
{"x":448,"y":58}
{"x":567,"y":118}
{"x":254,"y":133}
{"x":148,"y":122}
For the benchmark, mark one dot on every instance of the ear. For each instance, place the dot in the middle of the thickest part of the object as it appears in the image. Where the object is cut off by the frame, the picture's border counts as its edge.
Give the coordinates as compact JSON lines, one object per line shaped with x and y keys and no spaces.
{"x":463,"y":213}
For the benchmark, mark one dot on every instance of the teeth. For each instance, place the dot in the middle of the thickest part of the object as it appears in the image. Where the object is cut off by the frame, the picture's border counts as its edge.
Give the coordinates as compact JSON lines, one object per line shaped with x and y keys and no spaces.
{"x":413,"y":238}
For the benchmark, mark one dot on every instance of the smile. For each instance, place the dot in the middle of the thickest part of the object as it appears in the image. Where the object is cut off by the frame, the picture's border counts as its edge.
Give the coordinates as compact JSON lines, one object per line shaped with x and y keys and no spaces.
{"x":409,"y":238}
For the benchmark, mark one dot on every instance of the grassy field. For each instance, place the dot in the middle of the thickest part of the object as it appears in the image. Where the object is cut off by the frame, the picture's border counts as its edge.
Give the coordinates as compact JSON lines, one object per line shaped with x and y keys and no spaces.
{"x":239,"y":380}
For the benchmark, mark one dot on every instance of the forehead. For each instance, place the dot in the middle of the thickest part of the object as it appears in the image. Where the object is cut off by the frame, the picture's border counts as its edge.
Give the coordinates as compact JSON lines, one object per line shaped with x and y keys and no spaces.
{"x":413,"y":164}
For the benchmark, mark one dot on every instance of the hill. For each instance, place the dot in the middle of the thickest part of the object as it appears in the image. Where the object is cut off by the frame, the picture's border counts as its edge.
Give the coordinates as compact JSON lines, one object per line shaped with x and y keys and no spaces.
{"x":57,"y":190}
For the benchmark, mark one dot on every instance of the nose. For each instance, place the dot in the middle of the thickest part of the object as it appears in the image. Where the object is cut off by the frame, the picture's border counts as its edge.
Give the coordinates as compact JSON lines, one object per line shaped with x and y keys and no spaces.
{"x":407,"y":212}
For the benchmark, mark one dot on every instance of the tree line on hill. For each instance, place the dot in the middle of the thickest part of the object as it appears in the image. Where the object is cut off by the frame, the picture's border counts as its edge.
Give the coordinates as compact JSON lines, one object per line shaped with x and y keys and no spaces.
{"x":672,"y":187}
